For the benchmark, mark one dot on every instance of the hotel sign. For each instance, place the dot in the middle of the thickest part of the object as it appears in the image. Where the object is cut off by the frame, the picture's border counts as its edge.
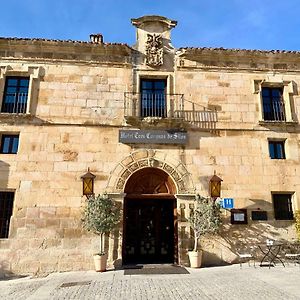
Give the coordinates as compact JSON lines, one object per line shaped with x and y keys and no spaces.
{"x":152,"y":137}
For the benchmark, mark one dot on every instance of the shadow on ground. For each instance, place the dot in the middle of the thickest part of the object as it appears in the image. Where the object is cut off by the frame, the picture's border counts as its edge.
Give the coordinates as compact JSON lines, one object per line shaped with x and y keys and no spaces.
{"x":6,"y":274}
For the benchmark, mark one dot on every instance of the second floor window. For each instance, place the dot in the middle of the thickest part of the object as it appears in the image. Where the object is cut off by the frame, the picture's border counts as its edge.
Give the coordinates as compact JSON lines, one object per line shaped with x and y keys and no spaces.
{"x":273,"y":104}
{"x":153,"y":98}
{"x":9,"y":144}
{"x":15,"y":95}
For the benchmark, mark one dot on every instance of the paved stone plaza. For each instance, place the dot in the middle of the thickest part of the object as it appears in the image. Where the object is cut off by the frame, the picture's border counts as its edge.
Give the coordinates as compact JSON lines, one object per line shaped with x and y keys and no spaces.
{"x":228,"y":282}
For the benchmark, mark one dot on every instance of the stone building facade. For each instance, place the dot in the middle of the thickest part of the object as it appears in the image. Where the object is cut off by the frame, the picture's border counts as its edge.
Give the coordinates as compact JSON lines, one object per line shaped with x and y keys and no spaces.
{"x":153,"y":124}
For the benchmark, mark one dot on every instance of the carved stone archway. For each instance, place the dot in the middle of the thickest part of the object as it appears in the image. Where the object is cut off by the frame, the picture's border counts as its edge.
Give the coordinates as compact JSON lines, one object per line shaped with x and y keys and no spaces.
{"x":146,"y":158}
{"x":150,"y":181}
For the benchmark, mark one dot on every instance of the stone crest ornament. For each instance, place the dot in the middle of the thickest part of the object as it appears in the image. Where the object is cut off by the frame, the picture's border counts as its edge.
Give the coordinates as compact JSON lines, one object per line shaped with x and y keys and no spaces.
{"x":154,"y":50}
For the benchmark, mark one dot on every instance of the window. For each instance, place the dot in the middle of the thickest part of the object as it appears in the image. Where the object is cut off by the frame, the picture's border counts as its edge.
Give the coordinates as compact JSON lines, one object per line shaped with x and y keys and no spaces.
{"x":276,"y":149}
{"x":153,"y":98}
{"x":6,"y":208}
{"x":276,"y":99}
{"x":9,"y":144}
{"x":273,"y":104}
{"x":15,"y":95}
{"x":283,"y":206}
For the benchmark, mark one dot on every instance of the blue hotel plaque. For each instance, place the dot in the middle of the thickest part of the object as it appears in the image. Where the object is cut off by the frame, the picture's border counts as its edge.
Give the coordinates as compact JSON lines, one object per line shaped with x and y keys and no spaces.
{"x":228,"y":203}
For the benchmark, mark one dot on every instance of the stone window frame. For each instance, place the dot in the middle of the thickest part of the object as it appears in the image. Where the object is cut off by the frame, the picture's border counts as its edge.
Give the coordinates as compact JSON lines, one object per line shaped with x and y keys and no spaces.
{"x":291,"y":204}
{"x":288,"y":93}
{"x":32,"y":72}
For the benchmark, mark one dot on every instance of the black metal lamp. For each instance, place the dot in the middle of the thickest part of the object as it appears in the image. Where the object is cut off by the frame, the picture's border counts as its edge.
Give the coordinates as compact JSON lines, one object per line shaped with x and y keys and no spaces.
{"x":215,"y":186}
{"x":88,"y":183}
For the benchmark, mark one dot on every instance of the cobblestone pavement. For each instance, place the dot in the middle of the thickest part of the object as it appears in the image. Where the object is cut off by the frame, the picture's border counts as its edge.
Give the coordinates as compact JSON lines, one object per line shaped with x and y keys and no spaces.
{"x":229,"y":282}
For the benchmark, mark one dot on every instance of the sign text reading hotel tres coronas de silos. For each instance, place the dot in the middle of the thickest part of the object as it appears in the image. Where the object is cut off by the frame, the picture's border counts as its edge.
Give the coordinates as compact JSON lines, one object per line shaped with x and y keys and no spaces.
{"x":152,"y":136}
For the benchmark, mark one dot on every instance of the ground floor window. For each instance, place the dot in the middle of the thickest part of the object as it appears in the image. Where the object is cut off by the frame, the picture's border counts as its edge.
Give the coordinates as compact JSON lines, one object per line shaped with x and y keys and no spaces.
{"x":283,"y":209}
{"x":6,"y":208}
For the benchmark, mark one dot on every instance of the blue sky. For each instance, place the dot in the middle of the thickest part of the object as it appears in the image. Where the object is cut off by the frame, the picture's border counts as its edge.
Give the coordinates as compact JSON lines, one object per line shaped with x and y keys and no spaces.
{"x":247,"y":24}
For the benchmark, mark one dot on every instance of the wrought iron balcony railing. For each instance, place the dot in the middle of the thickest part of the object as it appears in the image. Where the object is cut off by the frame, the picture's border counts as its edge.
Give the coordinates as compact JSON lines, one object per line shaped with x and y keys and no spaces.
{"x":152,"y":105}
{"x":274,"y":111}
{"x":168,"y":106}
{"x":14,"y":103}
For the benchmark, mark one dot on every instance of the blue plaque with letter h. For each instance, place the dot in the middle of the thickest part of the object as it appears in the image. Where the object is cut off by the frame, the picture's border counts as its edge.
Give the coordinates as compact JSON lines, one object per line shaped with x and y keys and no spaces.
{"x":228,"y":203}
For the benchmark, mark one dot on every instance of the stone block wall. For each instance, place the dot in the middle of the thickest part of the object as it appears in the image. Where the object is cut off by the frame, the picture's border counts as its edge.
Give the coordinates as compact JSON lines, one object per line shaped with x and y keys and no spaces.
{"x":77,"y":111}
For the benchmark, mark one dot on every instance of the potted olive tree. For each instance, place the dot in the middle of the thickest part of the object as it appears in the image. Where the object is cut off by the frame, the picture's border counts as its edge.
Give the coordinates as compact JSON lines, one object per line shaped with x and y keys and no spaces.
{"x":205,"y":218}
{"x":101,"y":215}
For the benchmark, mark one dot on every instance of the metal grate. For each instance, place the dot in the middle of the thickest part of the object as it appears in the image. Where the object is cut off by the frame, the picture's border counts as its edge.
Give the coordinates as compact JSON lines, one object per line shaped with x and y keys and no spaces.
{"x":75,"y":283}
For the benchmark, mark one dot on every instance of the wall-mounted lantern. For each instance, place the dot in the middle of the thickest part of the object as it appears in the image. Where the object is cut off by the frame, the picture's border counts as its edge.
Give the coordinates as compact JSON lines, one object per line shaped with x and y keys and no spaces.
{"x":215,"y":186}
{"x":88,"y":183}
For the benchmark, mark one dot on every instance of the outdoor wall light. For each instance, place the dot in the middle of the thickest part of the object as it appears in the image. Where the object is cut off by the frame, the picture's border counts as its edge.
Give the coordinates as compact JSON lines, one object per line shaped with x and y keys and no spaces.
{"x":88,"y":183}
{"x":215,"y":186}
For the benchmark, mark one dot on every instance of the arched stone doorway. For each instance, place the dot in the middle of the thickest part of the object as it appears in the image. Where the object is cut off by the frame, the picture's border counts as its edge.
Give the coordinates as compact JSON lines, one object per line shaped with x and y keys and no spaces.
{"x":150,"y":224}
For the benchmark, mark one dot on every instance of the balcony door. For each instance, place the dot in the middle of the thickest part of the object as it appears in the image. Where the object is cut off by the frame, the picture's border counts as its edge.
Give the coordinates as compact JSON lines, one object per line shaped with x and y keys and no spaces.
{"x":273,"y":104}
{"x":153,"y":98}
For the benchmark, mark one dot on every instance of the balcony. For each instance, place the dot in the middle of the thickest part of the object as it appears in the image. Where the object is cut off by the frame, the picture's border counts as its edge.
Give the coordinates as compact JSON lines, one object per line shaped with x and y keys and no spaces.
{"x":166,"y":109}
{"x":274,"y":111}
{"x":15,"y":103}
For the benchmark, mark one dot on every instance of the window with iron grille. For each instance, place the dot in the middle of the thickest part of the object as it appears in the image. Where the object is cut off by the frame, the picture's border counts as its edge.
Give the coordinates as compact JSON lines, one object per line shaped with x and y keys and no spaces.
{"x":9,"y":144}
{"x":283,"y":209}
{"x":276,"y":149}
{"x":15,"y":95}
{"x":153,"y":98}
{"x":6,"y":208}
{"x":273,"y":104}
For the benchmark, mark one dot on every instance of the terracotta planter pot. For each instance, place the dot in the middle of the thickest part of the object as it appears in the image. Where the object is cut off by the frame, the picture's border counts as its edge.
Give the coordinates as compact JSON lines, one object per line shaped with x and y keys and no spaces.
{"x":100,"y":262}
{"x":195,"y":258}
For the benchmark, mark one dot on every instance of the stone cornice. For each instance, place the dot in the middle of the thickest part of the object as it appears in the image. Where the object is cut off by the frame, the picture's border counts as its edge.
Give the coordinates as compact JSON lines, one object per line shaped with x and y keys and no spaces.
{"x":235,"y":50}
{"x":254,"y":60}
{"x":231,"y":57}
{"x":140,"y":21}
{"x":64,"y":50}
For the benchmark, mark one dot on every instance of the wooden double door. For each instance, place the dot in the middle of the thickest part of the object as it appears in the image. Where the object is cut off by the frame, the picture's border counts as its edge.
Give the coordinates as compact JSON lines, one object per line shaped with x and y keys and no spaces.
{"x":148,"y":231}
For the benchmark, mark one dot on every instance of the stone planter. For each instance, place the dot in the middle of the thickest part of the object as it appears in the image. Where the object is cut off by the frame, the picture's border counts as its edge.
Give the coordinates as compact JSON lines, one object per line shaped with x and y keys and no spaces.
{"x":195,"y":258}
{"x":100,"y":262}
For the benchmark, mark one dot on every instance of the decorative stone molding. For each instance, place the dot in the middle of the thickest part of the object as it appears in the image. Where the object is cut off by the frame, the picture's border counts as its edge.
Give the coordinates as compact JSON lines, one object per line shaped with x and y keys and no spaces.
{"x":139,"y":22}
{"x":150,"y":158}
{"x":33,"y":71}
{"x":289,"y":89}
{"x":154,"y":50}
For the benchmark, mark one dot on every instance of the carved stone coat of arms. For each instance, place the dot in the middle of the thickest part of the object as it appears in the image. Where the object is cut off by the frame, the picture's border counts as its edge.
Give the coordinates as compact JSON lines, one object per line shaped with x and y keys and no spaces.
{"x":154,"y":50}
